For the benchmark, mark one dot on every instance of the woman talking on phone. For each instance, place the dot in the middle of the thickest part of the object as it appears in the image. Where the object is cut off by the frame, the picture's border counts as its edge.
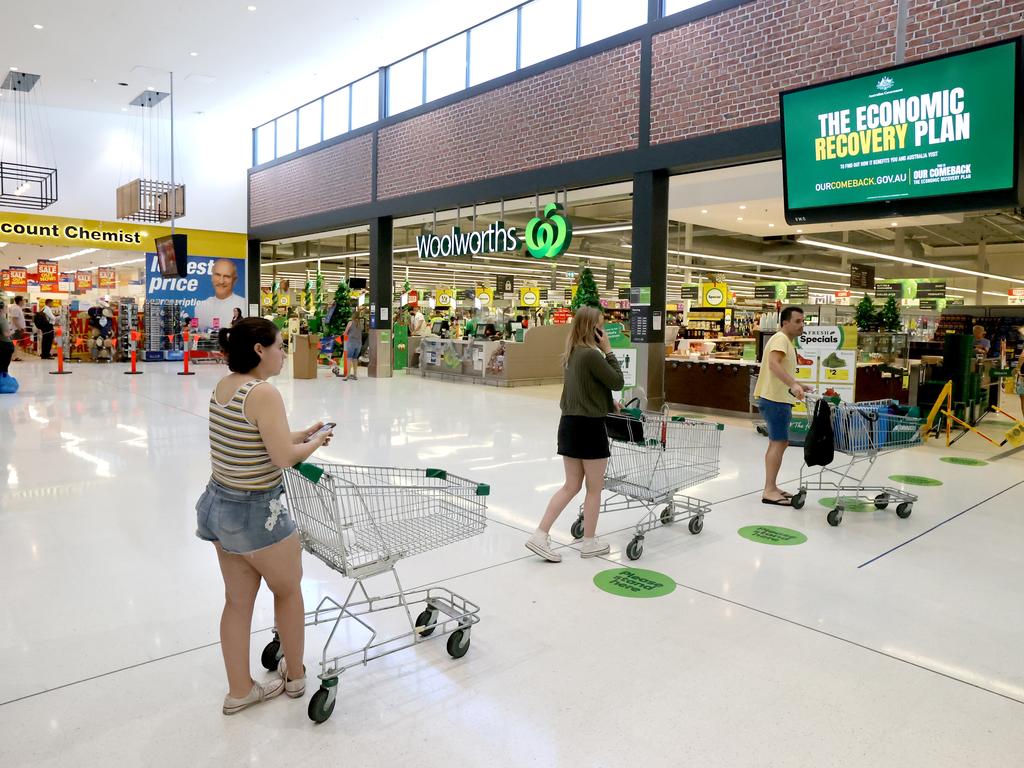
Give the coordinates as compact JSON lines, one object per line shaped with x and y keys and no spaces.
{"x":592,"y":373}
{"x":241,"y":513}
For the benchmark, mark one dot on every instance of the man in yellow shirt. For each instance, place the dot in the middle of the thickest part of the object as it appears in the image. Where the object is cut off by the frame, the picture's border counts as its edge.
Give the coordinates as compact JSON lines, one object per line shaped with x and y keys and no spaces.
{"x":776,"y":391}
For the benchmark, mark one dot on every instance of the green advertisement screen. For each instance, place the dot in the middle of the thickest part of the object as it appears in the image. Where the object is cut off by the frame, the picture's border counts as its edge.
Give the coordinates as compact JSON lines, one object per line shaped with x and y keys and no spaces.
{"x":938,"y":135}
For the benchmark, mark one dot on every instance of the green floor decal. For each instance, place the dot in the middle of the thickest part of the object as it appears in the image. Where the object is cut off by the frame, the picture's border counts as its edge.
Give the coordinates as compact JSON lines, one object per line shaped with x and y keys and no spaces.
{"x":850,"y":504}
{"x":772,"y":534}
{"x":634,"y":582}
{"x":914,"y":480}
{"x":964,"y":462}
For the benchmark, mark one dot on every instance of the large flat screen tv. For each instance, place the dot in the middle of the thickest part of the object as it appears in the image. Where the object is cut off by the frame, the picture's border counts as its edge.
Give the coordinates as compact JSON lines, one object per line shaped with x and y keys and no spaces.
{"x":933,"y":136}
{"x":172,"y":255}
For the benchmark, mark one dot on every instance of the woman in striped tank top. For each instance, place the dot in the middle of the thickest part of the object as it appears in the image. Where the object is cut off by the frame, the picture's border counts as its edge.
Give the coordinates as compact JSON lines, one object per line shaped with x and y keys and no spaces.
{"x":242,"y":514}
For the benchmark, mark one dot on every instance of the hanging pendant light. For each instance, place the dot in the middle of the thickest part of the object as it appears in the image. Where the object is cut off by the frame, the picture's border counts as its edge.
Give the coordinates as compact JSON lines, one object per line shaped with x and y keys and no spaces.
{"x":26,"y":132}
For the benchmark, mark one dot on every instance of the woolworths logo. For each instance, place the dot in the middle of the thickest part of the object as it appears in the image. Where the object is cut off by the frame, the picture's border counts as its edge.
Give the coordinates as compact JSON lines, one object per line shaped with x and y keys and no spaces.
{"x":497,"y":239}
{"x":549,"y":237}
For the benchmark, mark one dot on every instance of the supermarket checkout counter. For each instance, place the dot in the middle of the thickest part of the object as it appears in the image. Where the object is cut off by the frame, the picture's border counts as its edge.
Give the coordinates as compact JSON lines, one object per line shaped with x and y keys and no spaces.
{"x":537,"y":359}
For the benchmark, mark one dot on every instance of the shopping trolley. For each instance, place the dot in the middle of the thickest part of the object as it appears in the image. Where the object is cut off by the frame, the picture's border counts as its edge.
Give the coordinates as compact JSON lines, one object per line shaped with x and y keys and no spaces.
{"x":654,"y":456}
{"x":864,"y":431}
{"x":360,"y":521}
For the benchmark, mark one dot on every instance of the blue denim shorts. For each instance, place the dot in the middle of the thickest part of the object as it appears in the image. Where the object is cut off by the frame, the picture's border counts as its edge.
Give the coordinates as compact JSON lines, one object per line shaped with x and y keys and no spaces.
{"x":777,"y":417}
{"x":242,"y":521}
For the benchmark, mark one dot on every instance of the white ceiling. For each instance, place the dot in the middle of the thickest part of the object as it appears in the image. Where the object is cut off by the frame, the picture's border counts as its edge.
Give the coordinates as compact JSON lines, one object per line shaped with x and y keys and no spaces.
{"x":251,"y":64}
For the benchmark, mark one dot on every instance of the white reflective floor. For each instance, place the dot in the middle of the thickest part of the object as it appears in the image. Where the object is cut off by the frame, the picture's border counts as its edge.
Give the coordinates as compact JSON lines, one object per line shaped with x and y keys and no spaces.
{"x":811,"y":655}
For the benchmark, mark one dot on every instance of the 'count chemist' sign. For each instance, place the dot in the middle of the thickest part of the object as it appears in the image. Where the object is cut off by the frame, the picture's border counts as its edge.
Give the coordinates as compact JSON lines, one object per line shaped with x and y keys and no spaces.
{"x":903,"y":139}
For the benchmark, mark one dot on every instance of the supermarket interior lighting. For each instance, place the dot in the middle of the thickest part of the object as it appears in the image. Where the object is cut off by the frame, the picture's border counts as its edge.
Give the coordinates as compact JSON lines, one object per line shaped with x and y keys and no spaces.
{"x":83,"y":252}
{"x":875,"y":255}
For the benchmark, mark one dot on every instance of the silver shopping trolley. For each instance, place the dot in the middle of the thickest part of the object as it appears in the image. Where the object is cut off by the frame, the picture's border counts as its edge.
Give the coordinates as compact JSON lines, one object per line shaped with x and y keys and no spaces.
{"x":654,"y":456}
{"x":863,"y":431}
{"x":360,"y":521}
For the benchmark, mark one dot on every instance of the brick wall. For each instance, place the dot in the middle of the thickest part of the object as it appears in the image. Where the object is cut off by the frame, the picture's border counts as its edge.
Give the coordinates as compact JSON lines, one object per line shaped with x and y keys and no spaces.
{"x":725,"y":71}
{"x":332,"y":178}
{"x":581,"y":110}
{"x":938,"y":26}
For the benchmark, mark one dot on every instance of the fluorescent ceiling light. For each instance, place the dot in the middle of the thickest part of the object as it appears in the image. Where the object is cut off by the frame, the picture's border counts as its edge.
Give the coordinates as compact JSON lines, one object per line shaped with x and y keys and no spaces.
{"x":875,"y":255}
{"x":599,"y":229}
{"x":4,"y":245}
{"x":76,"y":253}
{"x":755,"y":263}
{"x":115,"y":264}
{"x":311,"y":259}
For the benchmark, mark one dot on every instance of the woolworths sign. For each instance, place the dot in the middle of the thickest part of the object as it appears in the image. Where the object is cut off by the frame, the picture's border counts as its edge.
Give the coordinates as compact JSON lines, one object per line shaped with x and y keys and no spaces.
{"x":898,"y":140}
{"x":496,"y":239}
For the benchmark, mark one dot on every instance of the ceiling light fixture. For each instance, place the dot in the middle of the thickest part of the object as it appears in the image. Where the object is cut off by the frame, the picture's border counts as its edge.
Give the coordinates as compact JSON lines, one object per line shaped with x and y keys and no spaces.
{"x":743,"y":207}
{"x":251,"y":7}
{"x":13,"y":69}
{"x":598,"y":229}
{"x":703,"y":210}
{"x":193,"y":53}
{"x":76,"y":253}
{"x":900,"y":259}
{"x":4,"y":245}
{"x":37,"y":26}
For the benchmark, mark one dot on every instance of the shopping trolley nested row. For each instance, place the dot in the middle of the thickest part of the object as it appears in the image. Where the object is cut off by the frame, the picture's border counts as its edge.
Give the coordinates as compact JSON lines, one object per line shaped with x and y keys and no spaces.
{"x":360,"y":521}
{"x":655,"y":456}
{"x":863,"y":431}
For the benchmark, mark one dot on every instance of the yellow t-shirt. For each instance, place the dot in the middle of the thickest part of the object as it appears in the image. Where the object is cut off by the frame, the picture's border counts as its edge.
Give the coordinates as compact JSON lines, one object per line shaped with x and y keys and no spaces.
{"x":769,"y":386}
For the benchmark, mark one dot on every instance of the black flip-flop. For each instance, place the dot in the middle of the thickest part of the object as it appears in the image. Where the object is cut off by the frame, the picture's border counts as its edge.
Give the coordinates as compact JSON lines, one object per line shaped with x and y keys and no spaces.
{"x":783,"y":502}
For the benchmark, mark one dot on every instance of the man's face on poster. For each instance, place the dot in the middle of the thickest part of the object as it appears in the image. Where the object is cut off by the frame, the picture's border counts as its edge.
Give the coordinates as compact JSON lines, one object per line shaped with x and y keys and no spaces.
{"x":224,"y":277}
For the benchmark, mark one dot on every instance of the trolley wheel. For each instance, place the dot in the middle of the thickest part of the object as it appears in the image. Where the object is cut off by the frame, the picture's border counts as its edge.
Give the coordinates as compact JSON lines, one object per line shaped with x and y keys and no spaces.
{"x":319,"y":710}
{"x":635,"y":548}
{"x":271,"y":655}
{"x":426,"y":623}
{"x":577,"y":528}
{"x":835,"y":516}
{"x":903,"y":510}
{"x":668,"y":515}
{"x":696,"y":524}
{"x":458,"y":644}
{"x":882,"y":501}
{"x":797,"y":502}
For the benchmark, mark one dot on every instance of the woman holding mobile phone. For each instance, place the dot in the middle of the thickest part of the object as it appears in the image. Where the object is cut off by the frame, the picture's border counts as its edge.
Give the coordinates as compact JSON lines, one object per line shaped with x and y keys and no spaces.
{"x":241,"y":513}
{"x":592,"y":373}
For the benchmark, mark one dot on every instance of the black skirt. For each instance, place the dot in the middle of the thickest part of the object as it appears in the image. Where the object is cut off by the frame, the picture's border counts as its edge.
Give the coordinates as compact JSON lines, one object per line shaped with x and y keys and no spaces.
{"x":582,"y":437}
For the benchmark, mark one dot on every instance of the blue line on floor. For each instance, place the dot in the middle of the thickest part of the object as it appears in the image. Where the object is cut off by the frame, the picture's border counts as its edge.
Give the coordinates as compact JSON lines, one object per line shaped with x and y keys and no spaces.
{"x":937,"y":525}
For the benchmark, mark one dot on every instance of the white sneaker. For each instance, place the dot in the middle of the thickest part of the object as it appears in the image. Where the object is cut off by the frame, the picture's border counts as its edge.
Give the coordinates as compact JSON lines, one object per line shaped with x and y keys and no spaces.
{"x":259,"y":692}
{"x":296,"y":687}
{"x":594,"y":547}
{"x":540,"y":544}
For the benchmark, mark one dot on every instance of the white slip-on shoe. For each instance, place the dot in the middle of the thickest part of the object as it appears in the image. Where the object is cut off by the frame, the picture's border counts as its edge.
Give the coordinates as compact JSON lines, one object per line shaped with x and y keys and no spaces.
{"x":259,"y":692}
{"x":594,"y":547}
{"x":540,"y":544}
{"x":296,"y":687}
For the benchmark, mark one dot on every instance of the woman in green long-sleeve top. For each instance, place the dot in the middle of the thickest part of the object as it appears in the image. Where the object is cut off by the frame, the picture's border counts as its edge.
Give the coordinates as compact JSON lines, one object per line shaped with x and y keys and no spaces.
{"x":592,"y":373}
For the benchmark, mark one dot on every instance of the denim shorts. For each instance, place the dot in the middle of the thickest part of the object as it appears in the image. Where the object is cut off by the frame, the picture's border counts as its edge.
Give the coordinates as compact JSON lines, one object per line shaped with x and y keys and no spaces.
{"x":777,"y":417}
{"x":242,"y":521}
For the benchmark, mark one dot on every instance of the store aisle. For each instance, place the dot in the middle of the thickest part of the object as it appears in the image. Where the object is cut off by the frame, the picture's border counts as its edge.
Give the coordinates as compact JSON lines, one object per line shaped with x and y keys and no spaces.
{"x":780,"y":655}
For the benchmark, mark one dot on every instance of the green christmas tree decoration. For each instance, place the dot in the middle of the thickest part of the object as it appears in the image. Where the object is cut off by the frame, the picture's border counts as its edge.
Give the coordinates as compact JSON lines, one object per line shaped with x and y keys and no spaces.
{"x":866,"y":318}
{"x":586,"y":293}
{"x":889,"y":318}
{"x":342,"y":310}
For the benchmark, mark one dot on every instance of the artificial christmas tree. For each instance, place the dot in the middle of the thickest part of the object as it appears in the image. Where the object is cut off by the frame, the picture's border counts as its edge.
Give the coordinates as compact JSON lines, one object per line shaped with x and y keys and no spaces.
{"x":342,"y":310}
{"x":866,"y":318}
{"x":586,"y":293}
{"x":889,"y":318}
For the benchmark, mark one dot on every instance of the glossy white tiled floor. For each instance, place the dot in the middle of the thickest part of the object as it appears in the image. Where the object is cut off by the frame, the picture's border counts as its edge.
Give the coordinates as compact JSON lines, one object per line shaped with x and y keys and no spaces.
{"x":781,"y":656}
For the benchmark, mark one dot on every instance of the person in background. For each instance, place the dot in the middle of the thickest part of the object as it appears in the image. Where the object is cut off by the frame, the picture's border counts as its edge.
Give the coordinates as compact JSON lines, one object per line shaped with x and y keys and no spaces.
{"x":16,"y":317}
{"x":241,"y":513}
{"x":418,"y":323}
{"x":592,"y":373}
{"x":1019,"y":388}
{"x":236,"y":317}
{"x":6,"y":345}
{"x":982,"y":346}
{"x":45,"y":321}
{"x":776,"y":391}
{"x":353,"y":345}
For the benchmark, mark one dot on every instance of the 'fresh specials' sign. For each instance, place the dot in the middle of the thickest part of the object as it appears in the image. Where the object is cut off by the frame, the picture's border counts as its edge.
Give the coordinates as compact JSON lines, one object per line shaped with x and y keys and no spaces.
{"x":941,"y":127}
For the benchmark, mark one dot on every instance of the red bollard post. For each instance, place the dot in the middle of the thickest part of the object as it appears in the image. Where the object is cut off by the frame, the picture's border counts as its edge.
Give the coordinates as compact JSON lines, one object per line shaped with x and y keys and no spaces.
{"x":186,"y":372}
{"x":60,"y":353}
{"x":133,"y":343}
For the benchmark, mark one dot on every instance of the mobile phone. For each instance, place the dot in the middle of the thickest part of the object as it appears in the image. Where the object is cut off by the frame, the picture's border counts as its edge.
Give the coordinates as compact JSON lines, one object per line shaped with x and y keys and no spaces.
{"x":598,"y":335}
{"x":330,"y":425}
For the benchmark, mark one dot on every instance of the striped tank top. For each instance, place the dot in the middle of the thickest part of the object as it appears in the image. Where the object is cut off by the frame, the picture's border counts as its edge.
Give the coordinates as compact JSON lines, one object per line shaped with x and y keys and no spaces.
{"x":238,"y":456}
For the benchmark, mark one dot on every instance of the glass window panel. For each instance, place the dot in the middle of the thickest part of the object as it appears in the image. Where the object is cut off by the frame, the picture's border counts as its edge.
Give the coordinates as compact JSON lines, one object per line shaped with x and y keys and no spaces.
{"x":603,"y":18}
{"x":286,"y":134}
{"x":265,"y":143}
{"x":492,"y":49}
{"x":405,"y":84}
{"x":675,"y":6}
{"x":549,"y":28}
{"x":446,"y":67}
{"x":309,"y":124}
{"x":336,"y":113}
{"x":365,"y":101}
